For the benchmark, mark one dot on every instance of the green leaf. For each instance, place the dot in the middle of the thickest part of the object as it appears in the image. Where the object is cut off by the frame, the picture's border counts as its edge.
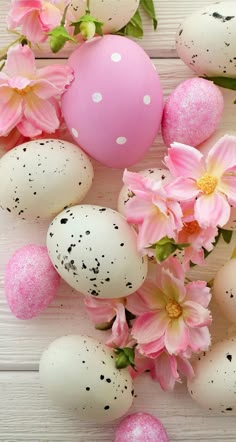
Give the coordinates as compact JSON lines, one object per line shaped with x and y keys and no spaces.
{"x":58,"y":38}
{"x":226,"y":235}
{"x":125,"y":357}
{"x":149,"y":8}
{"x":227,"y":83}
{"x":134,"y":28}
{"x":166,"y":247}
{"x":87,"y":18}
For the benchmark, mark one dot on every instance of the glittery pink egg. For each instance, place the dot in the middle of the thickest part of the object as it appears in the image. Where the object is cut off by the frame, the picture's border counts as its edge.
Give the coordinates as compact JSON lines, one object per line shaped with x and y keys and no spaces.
{"x":141,"y":427}
{"x":192,"y":112}
{"x":113,"y":108}
{"x":31,"y":281}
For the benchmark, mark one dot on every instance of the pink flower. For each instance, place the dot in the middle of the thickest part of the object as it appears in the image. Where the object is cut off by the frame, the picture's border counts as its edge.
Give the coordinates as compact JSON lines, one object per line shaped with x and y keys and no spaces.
{"x":166,"y":369}
{"x":195,"y":235}
{"x":156,"y":215}
{"x":105,"y":310}
{"x":211,"y":181}
{"x":36,"y":17}
{"x":171,"y":315}
{"x":28,"y":96}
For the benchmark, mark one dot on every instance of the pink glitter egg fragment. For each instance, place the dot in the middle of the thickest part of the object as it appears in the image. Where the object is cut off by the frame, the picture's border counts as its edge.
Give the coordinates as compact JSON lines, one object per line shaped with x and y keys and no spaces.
{"x":114,"y":106}
{"x":141,"y":427}
{"x":192,"y":112}
{"x":31,"y":282}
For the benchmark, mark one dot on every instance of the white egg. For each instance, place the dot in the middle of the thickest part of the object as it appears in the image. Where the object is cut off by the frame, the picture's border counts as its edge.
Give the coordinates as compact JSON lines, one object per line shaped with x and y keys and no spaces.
{"x":79,"y":374}
{"x":214,"y":385}
{"x":95,"y":251}
{"x":224,"y":290}
{"x":115,"y":14}
{"x":155,"y":174}
{"x":206,"y":40}
{"x":40,"y":178}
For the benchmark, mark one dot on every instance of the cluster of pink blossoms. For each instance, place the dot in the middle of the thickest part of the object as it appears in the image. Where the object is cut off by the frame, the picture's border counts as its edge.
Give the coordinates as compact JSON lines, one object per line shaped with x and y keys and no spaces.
{"x":170,"y":317}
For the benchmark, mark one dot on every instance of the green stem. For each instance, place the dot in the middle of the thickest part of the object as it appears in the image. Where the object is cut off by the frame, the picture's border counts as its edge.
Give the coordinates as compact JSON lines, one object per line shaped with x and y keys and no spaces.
{"x":3,"y":57}
{"x":63,"y":20}
{"x":88,"y":7}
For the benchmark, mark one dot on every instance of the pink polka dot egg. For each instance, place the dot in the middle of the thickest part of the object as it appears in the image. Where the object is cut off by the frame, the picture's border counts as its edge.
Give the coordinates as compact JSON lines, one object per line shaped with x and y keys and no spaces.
{"x":31,"y":282}
{"x":140,"y":427}
{"x":114,"y":106}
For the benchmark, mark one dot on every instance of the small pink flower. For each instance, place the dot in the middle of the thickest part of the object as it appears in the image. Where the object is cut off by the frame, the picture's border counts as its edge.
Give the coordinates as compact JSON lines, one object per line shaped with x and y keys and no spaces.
{"x":167,"y":368}
{"x":195,"y":235}
{"x":105,"y":310}
{"x":29,"y":97}
{"x":171,"y":315}
{"x":156,"y":215}
{"x":211,"y":181}
{"x":36,"y":17}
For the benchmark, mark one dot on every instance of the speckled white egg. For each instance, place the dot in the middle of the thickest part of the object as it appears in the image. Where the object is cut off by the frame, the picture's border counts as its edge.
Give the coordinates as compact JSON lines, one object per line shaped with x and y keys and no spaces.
{"x":155,"y":174}
{"x":214,"y":385}
{"x":206,"y":40}
{"x":41,"y":177}
{"x":115,"y":14}
{"x":94,"y":250}
{"x":224,"y":290}
{"x":79,"y":374}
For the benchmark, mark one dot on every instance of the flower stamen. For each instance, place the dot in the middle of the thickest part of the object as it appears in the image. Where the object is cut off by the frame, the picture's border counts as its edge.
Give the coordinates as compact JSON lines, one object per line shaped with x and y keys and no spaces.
{"x":24,"y":91}
{"x":207,"y":183}
{"x":191,"y":227}
{"x":173,"y":309}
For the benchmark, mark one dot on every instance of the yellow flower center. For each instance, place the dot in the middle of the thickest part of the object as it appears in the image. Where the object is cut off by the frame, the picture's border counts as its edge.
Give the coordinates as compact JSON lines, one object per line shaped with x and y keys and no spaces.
{"x":23,"y":91}
{"x":207,"y":183}
{"x":191,"y":227}
{"x":173,"y":309}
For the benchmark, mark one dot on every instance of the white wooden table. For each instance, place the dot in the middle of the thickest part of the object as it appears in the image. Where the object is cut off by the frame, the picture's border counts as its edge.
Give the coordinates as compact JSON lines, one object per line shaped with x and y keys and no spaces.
{"x":25,"y":412}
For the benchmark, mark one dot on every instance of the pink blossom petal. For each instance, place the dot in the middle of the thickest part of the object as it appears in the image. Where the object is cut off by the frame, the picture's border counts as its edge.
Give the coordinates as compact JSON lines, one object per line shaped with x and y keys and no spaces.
{"x":27,"y":129}
{"x":195,"y":315}
{"x":177,"y":336}
{"x":154,"y":228}
{"x":212,"y":210}
{"x":173,"y":266}
{"x":41,"y":113}
{"x":147,"y":298}
{"x":163,"y":371}
{"x":120,"y":329}
{"x":44,"y":89}
{"x":137,"y":184}
{"x":20,"y":9}
{"x":199,"y":339}
{"x":198,"y":291}
{"x":185,"y":367}
{"x":6,"y":94}
{"x":99,"y":310}
{"x":21,"y":61}
{"x":173,"y":288}
{"x":50,"y":16}
{"x":32,"y":28}
{"x":137,"y":209}
{"x":11,"y":113}
{"x":182,"y":189}
{"x":222,"y":156}
{"x":150,"y":326}
{"x":152,"y":349}
{"x":60,"y":76}
{"x":185,"y":161}
{"x":142,"y":364}
{"x":227,"y":185}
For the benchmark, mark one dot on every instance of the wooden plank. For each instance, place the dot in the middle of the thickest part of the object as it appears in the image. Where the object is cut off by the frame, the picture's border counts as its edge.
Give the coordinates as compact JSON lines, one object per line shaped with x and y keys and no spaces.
{"x":158,"y":44}
{"x":21,"y":342}
{"x":26,"y":415}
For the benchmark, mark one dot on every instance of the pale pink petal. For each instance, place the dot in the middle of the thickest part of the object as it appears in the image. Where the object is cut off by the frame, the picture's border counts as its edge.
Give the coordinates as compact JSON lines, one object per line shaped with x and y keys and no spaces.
{"x":185,"y":161}
{"x":173,"y":288}
{"x":147,"y":298}
{"x":177,"y":336}
{"x":20,"y":9}
{"x":6,"y":94}
{"x":222,"y":156}
{"x":182,"y":189}
{"x":59,"y":75}
{"x":21,"y":61}
{"x":41,"y":113}
{"x":185,"y":367}
{"x":193,"y":255}
{"x":137,"y":209}
{"x":163,"y":372}
{"x":227,"y":185}
{"x":137,"y":184}
{"x":120,"y":329}
{"x":27,"y":129}
{"x":199,"y":339}
{"x":10,"y":114}
{"x":174,"y":266}
{"x":195,"y":315}
{"x":152,"y":349}
{"x":19,"y":83}
{"x":44,"y":89}
{"x":32,"y":28}
{"x":142,"y":364}
{"x":198,"y":291}
{"x":150,"y":326}
{"x":212,"y":210}
{"x":154,"y":228}
{"x":50,"y":16}
{"x":99,"y":310}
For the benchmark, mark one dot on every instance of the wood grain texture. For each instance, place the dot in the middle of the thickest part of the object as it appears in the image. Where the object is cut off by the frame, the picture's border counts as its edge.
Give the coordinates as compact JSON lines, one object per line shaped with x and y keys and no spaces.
{"x":26,"y":415}
{"x":158,"y":44}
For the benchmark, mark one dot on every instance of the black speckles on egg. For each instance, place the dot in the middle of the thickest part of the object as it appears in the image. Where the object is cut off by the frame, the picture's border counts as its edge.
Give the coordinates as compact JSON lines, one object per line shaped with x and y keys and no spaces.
{"x":229,"y":357}
{"x":102,"y":377}
{"x":107,"y":407}
{"x":64,"y":220}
